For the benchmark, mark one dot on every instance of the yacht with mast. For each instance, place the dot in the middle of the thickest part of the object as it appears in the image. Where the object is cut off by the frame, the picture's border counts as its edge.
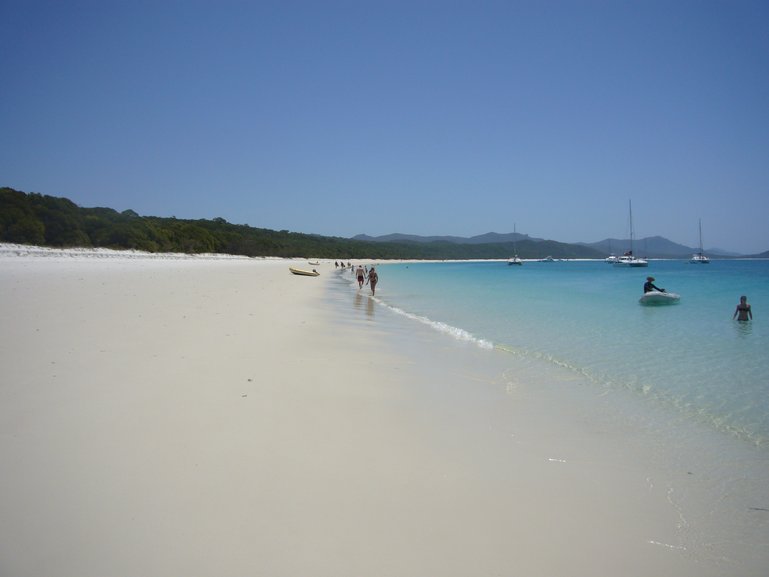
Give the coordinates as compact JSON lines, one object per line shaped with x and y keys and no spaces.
{"x":629,"y":259}
{"x":699,"y":257}
{"x":514,"y":260}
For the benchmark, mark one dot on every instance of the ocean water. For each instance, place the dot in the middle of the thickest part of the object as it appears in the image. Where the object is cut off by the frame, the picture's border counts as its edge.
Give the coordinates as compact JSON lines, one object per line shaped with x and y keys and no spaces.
{"x":583,"y":319}
{"x":681,"y":390}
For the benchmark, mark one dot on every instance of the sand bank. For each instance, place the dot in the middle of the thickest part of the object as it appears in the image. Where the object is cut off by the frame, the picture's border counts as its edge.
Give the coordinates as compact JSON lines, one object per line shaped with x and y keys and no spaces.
{"x":217,"y":417}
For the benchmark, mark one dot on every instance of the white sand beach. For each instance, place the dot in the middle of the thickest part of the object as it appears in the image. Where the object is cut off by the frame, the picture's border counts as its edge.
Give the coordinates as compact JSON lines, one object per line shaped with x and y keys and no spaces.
{"x":178,"y":417}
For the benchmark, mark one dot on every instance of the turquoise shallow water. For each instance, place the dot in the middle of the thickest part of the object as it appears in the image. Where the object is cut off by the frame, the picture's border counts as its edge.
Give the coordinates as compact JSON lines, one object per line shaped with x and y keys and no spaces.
{"x":678,"y":392}
{"x":583,"y":317}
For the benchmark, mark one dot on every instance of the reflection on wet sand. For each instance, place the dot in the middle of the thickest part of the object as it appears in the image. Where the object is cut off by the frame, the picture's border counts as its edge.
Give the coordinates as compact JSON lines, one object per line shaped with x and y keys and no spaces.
{"x":364,"y":302}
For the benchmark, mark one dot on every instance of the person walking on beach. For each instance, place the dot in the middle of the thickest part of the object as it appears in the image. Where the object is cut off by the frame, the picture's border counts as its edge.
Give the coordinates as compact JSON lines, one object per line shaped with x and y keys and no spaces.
{"x":649,"y":286}
{"x":361,"y":276}
{"x":373,"y":278}
{"x":743,"y":312}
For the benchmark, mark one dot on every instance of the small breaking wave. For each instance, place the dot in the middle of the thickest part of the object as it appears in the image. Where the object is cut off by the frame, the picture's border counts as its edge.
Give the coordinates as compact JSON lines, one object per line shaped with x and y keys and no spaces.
{"x":454,"y":332}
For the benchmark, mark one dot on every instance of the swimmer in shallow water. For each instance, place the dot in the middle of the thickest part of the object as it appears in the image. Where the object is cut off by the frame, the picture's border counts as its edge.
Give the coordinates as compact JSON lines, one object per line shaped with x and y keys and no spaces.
{"x":743,"y":312}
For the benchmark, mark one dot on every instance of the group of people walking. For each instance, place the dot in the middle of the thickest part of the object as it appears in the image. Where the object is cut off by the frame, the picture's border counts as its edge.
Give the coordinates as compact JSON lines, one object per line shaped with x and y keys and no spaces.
{"x":369,"y":275}
{"x":363,"y":274}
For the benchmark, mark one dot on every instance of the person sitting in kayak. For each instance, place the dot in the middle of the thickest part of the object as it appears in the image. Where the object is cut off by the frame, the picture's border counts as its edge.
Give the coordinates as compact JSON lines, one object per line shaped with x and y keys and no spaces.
{"x":649,"y":286}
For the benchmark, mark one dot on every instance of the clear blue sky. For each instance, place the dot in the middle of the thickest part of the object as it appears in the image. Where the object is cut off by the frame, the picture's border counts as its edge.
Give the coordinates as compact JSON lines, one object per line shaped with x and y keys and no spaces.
{"x":421,"y":117}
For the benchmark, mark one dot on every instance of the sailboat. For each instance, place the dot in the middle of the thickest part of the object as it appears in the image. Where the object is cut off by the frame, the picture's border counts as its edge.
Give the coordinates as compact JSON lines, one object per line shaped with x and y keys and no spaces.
{"x":514,"y":260}
{"x":699,"y":257}
{"x":629,"y":259}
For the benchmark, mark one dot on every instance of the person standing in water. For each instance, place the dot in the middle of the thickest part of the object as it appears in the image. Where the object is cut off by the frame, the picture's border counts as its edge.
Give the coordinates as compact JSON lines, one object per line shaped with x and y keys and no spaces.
{"x":743,"y":312}
{"x":360,"y":275}
{"x":373,"y":278}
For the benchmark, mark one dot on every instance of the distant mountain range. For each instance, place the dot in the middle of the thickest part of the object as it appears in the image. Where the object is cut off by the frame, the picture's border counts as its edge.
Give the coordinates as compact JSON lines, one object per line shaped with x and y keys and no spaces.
{"x":488,"y":238}
{"x":655,"y":247}
{"x":650,"y":247}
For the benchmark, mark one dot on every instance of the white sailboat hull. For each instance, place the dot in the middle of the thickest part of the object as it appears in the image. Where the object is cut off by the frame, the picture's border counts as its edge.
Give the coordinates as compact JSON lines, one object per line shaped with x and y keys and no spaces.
{"x":629,"y":261}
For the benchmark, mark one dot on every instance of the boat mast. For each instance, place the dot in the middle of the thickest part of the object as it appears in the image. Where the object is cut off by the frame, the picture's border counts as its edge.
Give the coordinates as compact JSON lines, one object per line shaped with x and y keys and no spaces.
{"x":515,"y":243}
{"x":630,"y":205}
{"x":700,"y":237}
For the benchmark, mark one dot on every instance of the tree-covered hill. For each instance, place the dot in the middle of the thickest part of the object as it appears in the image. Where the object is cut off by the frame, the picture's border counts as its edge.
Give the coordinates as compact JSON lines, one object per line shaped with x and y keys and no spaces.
{"x":37,"y":219}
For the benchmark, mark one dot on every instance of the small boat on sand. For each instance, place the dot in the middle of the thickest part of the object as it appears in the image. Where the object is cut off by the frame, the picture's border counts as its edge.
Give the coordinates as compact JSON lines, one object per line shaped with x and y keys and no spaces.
{"x":303,"y":272}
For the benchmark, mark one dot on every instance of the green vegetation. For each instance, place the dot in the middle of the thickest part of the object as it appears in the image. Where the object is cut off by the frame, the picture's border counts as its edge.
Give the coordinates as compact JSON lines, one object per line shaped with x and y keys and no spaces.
{"x":43,"y":220}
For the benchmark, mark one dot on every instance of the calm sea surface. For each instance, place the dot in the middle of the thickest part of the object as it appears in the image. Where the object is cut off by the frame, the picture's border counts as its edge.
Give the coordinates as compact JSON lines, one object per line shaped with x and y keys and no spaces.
{"x":584,"y":318}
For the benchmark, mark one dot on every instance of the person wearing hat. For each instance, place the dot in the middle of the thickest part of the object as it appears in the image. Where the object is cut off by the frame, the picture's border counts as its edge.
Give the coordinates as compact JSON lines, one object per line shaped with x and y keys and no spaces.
{"x":649,"y":286}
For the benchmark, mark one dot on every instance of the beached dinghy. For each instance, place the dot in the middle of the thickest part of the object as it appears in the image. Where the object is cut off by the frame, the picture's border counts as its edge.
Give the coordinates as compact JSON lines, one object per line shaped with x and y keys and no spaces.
{"x":659,"y":298}
{"x":303,"y":272}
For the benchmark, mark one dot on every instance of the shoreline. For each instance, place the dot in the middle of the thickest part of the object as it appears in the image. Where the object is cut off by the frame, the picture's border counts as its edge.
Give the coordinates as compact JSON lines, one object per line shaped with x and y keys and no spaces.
{"x":714,"y":483}
{"x":11,"y":249}
{"x":223,"y":417}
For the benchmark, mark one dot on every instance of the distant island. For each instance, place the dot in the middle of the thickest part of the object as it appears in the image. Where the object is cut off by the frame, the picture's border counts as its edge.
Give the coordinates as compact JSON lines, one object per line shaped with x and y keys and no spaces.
{"x":651,"y":247}
{"x":42,"y":220}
